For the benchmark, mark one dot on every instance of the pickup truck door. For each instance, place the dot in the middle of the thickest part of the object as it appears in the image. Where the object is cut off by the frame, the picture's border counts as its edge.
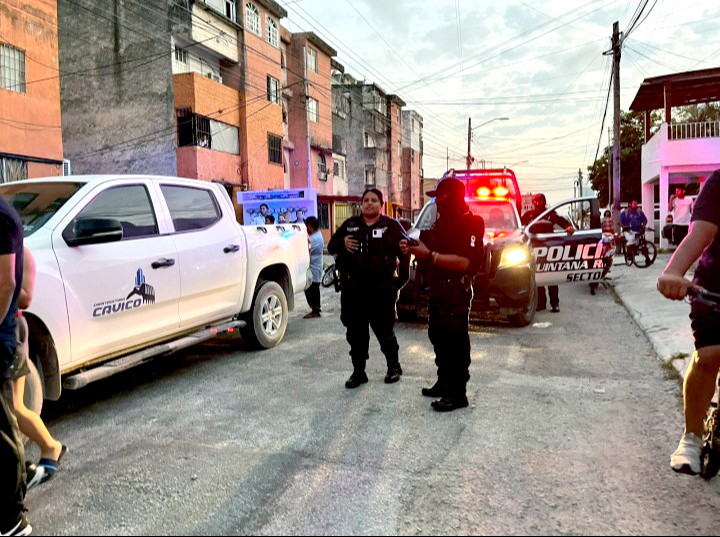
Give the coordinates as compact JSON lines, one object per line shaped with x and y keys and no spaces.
{"x":562,"y":258}
{"x":125,"y":294}
{"x":211,"y":252}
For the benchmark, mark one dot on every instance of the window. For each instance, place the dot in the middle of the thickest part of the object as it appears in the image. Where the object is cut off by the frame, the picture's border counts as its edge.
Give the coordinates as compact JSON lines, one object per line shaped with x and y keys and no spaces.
{"x":339,"y":169}
{"x":412,"y":153}
{"x":275,"y":149}
{"x":399,"y":153}
{"x":231,"y":10}
{"x":324,"y":215}
{"x":191,"y":209}
{"x":12,"y":69}
{"x":369,"y":141}
{"x":198,"y":131}
{"x":130,"y":205}
{"x":322,"y":167}
{"x":273,"y":33}
{"x":400,"y":183}
{"x":273,"y":90}
{"x":313,"y":110}
{"x":12,"y":169}
{"x":252,"y":18}
{"x":312,"y":59}
{"x":370,"y":176}
{"x":38,"y":203}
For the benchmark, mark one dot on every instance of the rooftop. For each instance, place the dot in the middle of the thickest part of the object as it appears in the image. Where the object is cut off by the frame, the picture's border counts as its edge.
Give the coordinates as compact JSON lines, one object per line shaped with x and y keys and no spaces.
{"x":693,"y":87}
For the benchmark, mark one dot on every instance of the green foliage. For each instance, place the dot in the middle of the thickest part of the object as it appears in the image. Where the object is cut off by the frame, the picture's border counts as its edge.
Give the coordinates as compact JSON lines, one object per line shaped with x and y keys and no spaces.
{"x":632,"y":139}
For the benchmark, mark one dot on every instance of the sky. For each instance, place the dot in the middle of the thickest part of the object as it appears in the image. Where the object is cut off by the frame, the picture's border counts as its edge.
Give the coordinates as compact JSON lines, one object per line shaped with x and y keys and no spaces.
{"x":539,"y":63}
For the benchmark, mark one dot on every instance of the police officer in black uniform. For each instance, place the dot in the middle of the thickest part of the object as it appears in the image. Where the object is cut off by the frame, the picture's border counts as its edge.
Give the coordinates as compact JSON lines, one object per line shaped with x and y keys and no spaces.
{"x":451,"y":259}
{"x":539,"y":207}
{"x":372,"y":270}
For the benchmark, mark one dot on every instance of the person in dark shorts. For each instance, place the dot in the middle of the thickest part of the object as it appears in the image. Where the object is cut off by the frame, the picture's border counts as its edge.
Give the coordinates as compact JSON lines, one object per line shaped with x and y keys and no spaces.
{"x":13,"y":485}
{"x":703,"y":242}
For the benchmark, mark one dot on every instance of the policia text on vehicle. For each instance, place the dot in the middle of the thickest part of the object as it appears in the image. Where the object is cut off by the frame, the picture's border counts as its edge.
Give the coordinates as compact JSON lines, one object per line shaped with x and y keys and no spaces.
{"x":372,"y":270}
{"x":454,"y":248}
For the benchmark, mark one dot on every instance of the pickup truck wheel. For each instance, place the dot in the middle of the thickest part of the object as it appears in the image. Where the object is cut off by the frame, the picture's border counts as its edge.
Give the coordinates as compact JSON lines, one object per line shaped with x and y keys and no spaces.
{"x":33,"y":389}
{"x":268,"y":319}
{"x":526,"y":318}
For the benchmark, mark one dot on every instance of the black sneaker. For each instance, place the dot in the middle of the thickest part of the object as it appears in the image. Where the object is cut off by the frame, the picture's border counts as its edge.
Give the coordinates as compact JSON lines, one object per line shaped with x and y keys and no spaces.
{"x":436,"y":392}
{"x":356,"y":380}
{"x":448,"y":404}
{"x":393,"y":374}
{"x":556,"y":309}
{"x":35,"y":475}
{"x":21,"y":527}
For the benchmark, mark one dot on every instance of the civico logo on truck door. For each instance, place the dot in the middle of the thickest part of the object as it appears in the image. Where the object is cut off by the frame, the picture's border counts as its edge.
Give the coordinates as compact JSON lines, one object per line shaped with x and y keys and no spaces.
{"x":142,"y":294}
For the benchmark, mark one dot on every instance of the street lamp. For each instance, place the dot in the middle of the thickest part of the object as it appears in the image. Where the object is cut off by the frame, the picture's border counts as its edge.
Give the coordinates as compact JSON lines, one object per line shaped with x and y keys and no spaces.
{"x":470,"y":133}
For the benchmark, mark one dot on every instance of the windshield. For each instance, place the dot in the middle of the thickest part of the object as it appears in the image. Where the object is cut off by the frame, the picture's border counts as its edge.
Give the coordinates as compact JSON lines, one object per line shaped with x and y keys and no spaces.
{"x":499,"y":216}
{"x":38,"y":202}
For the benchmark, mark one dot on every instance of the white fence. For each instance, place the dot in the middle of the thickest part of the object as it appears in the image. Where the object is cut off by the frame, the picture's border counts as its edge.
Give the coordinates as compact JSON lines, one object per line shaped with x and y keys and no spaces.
{"x":693,"y":131}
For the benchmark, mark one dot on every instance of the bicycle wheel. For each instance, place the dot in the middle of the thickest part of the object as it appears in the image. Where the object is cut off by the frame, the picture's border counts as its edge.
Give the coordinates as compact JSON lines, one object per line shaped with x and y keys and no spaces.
{"x":329,"y":277}
{"x":646,"y":255}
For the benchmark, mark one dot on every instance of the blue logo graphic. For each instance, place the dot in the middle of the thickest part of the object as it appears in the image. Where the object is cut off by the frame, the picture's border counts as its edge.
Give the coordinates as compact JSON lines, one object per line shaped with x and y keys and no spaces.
{"x":142,"y":289}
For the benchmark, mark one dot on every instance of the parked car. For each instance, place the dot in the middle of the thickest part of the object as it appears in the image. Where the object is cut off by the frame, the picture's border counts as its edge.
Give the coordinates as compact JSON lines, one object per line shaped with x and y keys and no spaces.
{"x":130,"y":268}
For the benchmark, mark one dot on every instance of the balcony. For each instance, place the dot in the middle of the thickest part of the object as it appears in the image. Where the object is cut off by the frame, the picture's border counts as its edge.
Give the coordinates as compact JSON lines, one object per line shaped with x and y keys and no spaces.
{"x":682,"y":147}
{"x":205,"y":97}
{"x":377,"y":158}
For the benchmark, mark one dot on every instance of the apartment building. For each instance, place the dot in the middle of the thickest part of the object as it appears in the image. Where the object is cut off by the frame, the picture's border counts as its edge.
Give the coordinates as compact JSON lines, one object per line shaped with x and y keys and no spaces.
{"x":412,"y":160}
{"x":30,"y":120}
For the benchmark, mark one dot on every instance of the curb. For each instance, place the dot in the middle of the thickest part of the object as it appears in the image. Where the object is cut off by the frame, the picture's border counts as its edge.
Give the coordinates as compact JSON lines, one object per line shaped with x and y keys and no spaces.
{"x":679,"y":364}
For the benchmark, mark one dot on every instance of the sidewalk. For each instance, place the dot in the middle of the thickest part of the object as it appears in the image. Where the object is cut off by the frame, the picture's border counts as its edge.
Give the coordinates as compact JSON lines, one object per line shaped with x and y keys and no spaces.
{"x":666,"y":323}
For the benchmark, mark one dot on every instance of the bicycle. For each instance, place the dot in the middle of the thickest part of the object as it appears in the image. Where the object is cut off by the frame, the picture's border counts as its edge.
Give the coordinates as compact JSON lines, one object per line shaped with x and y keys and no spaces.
{"x":710,"y":457}
{"x":331,"y":278}
{"x":642,"y":254}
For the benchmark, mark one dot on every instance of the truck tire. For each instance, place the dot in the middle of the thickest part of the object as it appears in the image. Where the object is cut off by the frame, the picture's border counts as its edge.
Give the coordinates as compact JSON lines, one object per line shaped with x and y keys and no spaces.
{"x":268,"y":320}
{"x":526,"y":318}
{"x":34,"y":393}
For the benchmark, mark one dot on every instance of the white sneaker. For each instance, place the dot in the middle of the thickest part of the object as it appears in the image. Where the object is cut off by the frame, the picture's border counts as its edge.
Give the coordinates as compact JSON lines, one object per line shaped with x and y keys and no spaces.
{"x":686,"y":460}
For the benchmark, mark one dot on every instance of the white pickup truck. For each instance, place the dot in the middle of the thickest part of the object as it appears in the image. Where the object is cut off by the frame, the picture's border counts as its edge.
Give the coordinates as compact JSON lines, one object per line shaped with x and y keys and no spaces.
{"x":134,"y":267}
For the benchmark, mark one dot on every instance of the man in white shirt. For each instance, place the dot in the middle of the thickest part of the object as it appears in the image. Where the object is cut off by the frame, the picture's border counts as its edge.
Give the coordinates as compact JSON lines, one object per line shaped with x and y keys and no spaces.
{"x":261,"y":218}
{"x":681,"y":208}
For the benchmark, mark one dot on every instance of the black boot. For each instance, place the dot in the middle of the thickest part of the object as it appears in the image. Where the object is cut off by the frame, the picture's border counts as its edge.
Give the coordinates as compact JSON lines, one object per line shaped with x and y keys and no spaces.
{"x":394,"y":373}
{"x":448,"y":404}
{"x":437,"y":391}
{"x":357,"y":379}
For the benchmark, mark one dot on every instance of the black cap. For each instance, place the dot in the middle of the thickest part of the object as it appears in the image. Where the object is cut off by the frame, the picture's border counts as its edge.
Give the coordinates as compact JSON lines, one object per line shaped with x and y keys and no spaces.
{"x":451,"y":186}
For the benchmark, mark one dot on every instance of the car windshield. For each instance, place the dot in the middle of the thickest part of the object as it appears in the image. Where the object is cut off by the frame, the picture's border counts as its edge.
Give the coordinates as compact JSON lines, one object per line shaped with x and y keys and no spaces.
{"x":499,"y":216}
{"x":38,"y":202}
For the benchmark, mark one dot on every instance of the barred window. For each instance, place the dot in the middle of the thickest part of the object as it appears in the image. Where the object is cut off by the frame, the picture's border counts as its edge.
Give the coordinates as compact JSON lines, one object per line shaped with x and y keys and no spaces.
{"x":275,"y":149}
{"x":12,"y":169}
{"x":12,"y":69}
{"x":252,"y":18}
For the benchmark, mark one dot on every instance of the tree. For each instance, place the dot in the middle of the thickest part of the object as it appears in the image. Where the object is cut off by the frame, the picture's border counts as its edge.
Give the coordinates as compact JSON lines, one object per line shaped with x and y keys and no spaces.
{"x":699,"y":113}
{"x":632,"y":139}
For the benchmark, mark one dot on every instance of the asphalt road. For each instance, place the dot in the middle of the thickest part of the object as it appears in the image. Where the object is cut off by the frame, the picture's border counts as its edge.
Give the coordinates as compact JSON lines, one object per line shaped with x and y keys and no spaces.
{"x":571,"y":426}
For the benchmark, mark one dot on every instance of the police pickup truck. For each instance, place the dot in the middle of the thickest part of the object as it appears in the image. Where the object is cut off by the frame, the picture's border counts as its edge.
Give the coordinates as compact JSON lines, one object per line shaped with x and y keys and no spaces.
{"x":134,"y":267}
{"x":517,"y":260}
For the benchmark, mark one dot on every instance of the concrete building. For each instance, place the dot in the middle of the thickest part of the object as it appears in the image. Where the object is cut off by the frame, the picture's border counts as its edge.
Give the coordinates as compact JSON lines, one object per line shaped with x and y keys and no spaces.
{"x":678,"y":154}
{"x":412,"y":160}
{"x":397,"y":208}
{"x":30,"y":121}
{"x":188,"y":88}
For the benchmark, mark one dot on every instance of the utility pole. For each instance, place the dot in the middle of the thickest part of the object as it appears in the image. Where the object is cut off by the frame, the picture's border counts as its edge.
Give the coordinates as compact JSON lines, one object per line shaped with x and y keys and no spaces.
{"x":307,"y":120}
{"x":469,"y":157}
{"x":617,"y":54}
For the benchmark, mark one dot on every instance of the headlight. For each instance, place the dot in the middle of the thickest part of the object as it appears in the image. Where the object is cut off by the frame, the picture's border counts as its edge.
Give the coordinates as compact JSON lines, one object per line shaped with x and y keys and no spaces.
{"x":514,"y":256}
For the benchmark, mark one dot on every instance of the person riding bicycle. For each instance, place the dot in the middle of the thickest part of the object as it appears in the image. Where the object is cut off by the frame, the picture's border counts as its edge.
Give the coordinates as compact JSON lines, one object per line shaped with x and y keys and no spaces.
{"x":702,"y":243}
{"x":633,"y":221}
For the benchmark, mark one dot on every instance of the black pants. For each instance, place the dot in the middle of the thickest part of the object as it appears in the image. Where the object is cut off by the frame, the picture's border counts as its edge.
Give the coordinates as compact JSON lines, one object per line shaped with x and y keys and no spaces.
{"x":448,"y":329}
{"x":12,"y":463}
{"x":365,"y":308}
{"x":554,"y":296}
{"x":313,"y":297}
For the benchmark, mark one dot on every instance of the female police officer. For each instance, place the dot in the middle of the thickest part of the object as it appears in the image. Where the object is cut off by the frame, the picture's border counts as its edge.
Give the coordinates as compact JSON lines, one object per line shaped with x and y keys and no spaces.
{"x":455,"y":253}
{"x":368,"y":257}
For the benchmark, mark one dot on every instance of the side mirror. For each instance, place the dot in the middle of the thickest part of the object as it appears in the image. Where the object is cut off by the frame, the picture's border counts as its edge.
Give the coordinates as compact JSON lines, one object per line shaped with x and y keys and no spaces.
{"x":93,"y":231}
